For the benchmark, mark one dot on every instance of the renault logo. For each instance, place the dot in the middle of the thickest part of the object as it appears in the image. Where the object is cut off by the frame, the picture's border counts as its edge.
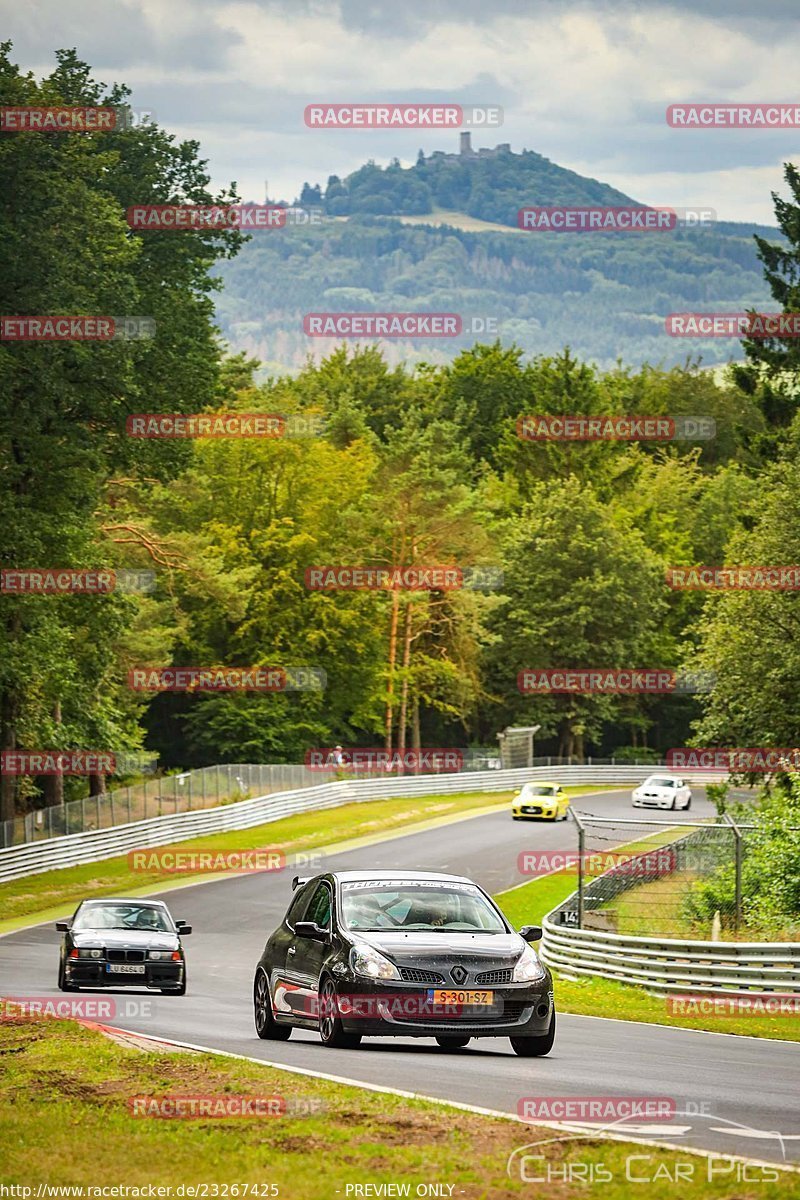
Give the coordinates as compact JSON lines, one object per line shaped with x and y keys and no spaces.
{"x":459,"y":975}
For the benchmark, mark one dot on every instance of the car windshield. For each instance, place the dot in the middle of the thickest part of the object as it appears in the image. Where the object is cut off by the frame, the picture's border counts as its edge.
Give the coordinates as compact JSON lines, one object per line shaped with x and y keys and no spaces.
{"x":531,"y":789}
{"x":656,"y":781}
{"x":377,"y":906}
{"x":122,"y":916}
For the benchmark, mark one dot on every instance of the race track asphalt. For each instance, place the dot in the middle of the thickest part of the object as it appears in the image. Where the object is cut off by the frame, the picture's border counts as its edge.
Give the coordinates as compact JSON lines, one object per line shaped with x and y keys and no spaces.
{"x":740,"y":1093}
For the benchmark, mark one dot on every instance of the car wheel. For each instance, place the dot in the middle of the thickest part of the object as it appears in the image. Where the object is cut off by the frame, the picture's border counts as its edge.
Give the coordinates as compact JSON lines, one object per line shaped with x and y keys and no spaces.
{"x":331,"y":1030}
{"x":674,"y":804}
{"x":688,"y":804}
{"x":266,"y":1025}
{"x":453,"y":1043}
{"x":535,"y":1047}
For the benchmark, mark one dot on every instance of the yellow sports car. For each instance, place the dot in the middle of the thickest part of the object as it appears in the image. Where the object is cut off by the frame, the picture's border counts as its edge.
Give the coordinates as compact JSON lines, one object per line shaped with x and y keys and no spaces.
{"x":545,"y":801}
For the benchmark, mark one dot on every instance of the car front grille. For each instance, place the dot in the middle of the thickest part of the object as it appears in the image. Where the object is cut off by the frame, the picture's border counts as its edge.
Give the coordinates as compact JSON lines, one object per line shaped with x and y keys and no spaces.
{"x":125,"y":955}
{"x":533,"y":809}
{"x":511,"y":1011}
{"x":414,"y":975}
{"x":505,"y":975}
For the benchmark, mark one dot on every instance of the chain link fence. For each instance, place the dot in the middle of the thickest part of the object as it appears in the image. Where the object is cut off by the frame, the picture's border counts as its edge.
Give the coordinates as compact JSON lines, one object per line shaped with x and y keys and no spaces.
{"x":207,"y":787}
{"x":670,"y":878}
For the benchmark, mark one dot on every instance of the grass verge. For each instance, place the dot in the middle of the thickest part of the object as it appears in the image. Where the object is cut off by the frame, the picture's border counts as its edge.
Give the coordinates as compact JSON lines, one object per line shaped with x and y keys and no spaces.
{"x":66,"y":1119}
{"x":605,"y":997}
{"x":53,"y":893}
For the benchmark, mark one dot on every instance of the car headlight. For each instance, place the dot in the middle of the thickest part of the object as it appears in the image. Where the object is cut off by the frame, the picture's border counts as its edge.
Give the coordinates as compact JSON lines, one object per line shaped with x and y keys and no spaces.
{"x":161,"y":955}
{"x":528,"y":967}
{"x":365,"y":960}
{"x":90,"y":953}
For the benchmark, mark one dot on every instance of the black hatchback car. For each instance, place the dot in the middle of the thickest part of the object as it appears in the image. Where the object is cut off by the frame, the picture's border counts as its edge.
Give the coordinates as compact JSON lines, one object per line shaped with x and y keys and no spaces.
{"x":402,"y":954}
{"x":122,"y":943}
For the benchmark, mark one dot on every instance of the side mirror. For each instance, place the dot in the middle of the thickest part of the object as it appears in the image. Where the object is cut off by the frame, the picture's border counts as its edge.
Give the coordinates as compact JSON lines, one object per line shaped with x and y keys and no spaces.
{"x":183,"y":928}
{"x":310,"y":929}
{"x":531,"y":933}
{"x":62,"y":926}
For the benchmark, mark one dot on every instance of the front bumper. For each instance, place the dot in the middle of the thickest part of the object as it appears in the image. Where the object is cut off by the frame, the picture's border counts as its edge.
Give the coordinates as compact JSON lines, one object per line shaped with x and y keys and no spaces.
{"x":92,"y":973}
{"x":392,"y":1010}
{"x":652,"y":802}
{"x":535,"y":812}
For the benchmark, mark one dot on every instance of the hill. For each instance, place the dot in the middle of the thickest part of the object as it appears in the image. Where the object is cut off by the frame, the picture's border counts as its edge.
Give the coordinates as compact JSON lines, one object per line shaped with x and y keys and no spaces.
{"x":442,"y":236}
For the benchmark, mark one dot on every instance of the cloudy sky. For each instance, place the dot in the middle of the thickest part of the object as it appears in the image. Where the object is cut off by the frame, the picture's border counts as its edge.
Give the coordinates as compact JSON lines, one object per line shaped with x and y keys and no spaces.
{"x":586,"y":85}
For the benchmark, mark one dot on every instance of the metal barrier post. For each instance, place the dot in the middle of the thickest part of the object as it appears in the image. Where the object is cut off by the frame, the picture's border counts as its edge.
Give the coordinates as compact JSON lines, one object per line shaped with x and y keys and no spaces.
{"x":581,"y":847}
{"x":737,"y":853}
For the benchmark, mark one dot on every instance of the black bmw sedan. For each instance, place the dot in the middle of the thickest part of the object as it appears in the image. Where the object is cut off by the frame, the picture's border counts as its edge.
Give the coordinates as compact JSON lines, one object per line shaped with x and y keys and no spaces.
{"x":402,"y":954}
{"x":122,"y":943}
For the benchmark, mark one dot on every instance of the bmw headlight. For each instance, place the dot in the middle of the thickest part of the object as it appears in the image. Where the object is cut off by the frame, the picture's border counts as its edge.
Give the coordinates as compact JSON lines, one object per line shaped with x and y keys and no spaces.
{"x":90,"y":953}
{"x":162,"y":955}
{"x":366,"y":960}
{"x":528,"y":968}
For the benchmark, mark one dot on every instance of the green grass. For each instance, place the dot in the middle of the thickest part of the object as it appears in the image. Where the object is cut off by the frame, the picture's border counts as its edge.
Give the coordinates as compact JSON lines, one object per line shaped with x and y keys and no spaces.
{"x":594,"y":997}
{"x":65,"y":1120}
{"x":54,"y":893}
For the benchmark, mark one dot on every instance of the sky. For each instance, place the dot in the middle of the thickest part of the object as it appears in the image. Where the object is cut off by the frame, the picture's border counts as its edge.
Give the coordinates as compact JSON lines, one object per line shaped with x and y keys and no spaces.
{"x":587,"y":85}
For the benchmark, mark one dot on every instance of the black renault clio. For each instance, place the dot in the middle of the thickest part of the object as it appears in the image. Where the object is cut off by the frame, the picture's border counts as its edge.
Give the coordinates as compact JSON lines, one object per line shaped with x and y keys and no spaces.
{"x":402,"y":954}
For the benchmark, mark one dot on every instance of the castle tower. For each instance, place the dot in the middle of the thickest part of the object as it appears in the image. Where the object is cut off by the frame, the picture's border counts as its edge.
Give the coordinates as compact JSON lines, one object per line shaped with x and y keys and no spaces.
{"x":465,"y":143}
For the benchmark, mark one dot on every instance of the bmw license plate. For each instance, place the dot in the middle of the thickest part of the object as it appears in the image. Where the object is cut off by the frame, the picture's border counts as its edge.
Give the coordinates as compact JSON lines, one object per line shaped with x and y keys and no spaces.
{"x":125,"y":968}
{"x":450,"y":996}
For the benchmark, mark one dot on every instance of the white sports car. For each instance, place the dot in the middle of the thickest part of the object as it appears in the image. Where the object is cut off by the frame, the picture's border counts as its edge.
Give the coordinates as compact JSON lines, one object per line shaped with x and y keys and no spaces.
{"x":663,"y":791}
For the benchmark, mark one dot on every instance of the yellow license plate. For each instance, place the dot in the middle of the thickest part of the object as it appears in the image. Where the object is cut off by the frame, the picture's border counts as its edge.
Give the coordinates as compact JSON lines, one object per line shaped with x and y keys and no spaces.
{"x":445,"y":996}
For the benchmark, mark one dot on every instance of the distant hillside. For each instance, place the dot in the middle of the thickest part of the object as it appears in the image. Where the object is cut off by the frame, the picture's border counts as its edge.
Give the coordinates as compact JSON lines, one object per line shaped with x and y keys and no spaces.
{"x":604,"y":294}
{"x":491,"y":184}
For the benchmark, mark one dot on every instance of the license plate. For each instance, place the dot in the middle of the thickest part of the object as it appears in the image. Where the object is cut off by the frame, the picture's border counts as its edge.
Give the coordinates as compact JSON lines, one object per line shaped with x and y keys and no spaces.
{"x":125,"y":968}
{"x":446,"y":996}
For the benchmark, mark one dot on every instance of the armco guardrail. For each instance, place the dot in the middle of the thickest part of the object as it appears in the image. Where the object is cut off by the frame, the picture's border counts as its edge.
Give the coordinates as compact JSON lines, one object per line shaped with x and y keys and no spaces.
{"x":665,"y":964}
{"x":96,"y":845}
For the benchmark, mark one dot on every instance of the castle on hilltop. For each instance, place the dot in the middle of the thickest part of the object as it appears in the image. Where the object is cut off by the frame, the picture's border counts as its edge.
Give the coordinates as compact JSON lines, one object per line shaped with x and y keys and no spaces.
{"x":465,"y":150}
